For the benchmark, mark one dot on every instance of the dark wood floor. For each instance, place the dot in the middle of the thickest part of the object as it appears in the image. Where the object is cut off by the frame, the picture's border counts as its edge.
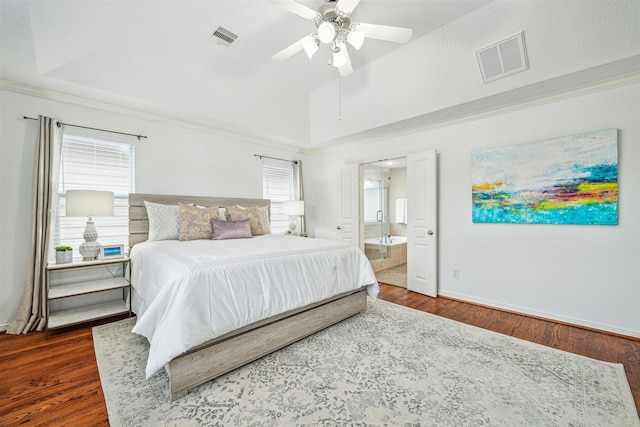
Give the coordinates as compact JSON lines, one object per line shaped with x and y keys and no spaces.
{"x":55,"y":382}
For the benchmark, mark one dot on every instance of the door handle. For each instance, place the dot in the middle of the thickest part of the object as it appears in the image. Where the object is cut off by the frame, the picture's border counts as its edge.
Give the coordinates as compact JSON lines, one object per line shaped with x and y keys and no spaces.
{"x":430,"y":232}
{"x":338,"y":228}
{"x":379,"y":216}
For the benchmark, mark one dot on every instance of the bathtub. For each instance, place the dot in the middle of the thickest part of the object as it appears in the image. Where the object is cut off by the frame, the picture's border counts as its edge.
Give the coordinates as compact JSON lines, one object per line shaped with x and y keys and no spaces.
{"x":395,"y":255}
{"x":395,"y":240}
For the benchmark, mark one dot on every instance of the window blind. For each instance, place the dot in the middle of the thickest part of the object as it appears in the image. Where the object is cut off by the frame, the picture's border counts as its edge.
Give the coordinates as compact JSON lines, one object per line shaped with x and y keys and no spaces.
{"x":95,"y":164}
{"x":277,"y":186}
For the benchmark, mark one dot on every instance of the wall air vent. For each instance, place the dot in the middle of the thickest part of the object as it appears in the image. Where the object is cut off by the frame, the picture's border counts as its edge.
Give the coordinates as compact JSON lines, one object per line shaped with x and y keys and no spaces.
{"x":223,"y":36}
{"x":502,"y":59}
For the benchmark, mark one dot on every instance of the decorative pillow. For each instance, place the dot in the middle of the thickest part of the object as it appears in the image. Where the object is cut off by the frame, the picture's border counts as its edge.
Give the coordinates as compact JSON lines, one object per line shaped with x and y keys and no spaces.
{"x":222,"y":213}
{"x":164,"y":221}
{"x":231,"y":229}
{"x":235,"y":214}
{"x":263,"y":213}
{"x":195,"y":222}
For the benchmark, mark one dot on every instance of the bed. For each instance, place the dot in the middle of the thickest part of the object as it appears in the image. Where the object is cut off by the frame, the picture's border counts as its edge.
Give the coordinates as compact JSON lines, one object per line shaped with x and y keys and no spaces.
{"x":208,"y":307}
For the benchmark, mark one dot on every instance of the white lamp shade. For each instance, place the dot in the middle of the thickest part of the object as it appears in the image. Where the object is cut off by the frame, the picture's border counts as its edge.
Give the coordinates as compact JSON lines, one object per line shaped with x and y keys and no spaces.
{"x":326,"y":32}
{"x":355,"y":38}
{"x":89,"y":203}
{"x":293,"y":207}
{"x":310,"y":46}
{"x":339,"y":58}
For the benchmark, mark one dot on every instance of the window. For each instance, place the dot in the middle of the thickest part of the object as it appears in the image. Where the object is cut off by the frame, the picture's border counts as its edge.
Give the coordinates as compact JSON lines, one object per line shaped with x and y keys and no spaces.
{"x":278,"y":186}
{"x":89,"y":163}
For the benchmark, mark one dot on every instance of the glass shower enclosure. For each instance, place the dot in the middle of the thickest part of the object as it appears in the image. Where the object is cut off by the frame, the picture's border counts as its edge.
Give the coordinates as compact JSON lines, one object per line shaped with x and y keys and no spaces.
{"x":377,"y":224}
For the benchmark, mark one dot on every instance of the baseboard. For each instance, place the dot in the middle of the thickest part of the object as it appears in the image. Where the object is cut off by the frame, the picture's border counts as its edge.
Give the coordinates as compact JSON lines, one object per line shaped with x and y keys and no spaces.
{"x":543,"y":315}
{"x":4,"y":327}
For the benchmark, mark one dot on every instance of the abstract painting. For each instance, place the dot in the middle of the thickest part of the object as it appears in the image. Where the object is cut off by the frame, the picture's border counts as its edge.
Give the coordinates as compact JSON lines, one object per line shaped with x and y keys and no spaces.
{"x":568,"y":180}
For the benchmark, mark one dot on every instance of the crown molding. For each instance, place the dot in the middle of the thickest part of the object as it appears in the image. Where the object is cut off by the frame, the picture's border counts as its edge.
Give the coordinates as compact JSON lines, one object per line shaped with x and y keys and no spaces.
{"x":534,"y":101}
{"x":52,"y":95}
{"x":409,"y":126}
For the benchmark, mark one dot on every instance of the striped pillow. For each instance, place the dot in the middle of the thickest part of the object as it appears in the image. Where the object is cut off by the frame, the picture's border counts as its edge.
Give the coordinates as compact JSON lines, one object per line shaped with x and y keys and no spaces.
{"x":230,"y":229}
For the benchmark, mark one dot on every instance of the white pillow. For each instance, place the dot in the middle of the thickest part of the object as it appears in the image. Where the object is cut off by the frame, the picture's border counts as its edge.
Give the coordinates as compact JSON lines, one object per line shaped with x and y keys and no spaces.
{"x":164,"y":221}
{"x":263,"y":213}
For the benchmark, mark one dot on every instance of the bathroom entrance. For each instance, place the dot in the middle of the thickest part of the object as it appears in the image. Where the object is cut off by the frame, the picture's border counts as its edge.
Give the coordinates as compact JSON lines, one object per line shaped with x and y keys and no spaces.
{"x":384,"y":202}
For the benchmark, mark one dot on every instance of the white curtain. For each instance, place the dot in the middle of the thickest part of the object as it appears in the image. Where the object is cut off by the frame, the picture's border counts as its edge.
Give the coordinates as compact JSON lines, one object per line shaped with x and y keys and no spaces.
{"x":32,"y":310}
{"x":298,"y":191}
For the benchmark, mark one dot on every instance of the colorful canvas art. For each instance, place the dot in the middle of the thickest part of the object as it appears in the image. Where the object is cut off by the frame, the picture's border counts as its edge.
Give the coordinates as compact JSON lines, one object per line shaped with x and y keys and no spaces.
{"x":569,"y":180}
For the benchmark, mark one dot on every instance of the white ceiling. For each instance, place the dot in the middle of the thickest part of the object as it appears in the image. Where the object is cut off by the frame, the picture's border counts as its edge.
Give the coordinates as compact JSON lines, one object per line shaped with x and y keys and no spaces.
{"x":157,"y":57}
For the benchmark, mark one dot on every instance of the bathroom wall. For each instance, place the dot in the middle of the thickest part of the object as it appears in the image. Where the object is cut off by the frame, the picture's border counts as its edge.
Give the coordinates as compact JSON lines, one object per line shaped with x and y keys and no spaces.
{"x":397,"y":190}
{"x":397,"y":254}
{"x":372,"y":229}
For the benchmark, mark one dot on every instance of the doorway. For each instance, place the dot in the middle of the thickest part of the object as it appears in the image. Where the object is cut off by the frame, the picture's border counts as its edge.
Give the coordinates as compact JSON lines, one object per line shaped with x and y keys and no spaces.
{"x":384,"y":216}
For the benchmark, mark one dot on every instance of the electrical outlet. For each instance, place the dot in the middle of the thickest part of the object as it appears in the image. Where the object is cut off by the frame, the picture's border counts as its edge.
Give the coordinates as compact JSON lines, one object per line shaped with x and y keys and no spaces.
{"x":455,"y":273}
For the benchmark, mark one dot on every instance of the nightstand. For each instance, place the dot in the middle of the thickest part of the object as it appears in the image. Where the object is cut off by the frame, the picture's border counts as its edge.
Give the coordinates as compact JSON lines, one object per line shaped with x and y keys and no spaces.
{"x":62,"y":318}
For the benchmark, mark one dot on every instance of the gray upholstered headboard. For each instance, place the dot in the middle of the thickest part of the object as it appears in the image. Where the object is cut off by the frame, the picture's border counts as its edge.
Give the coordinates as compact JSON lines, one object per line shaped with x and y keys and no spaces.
{"x":139,"y":222}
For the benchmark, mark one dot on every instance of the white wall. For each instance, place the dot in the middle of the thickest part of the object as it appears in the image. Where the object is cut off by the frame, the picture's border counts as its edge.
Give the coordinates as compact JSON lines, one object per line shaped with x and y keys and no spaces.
{"x":397,"y":190}
{"x":440,"y":71}
{"x":588,"y":275}
{"x":173,"y":160}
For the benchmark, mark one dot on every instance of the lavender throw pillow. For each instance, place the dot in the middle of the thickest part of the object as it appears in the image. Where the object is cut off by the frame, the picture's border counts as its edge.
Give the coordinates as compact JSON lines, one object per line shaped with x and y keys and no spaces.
{"x":230,"y":229}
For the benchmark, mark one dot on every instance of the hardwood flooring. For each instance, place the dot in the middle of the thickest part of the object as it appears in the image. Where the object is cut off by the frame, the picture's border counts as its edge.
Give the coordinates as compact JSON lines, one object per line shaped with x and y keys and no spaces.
{"x":52,"y":382}
{"x":55,"y":382}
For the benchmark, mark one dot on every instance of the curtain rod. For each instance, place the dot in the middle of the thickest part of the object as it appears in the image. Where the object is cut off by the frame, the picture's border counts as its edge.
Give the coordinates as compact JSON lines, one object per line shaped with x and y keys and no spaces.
{"x":275,"y":158}
{"x":86,"y":127}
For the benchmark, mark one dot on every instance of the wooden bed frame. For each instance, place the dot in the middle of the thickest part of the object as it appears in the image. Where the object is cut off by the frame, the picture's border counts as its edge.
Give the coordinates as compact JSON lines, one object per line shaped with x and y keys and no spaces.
{"x":239,"y":347}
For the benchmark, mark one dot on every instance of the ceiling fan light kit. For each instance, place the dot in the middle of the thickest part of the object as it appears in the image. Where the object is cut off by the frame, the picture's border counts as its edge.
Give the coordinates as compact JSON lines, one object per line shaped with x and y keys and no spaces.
{"x":355,"y":37}
{"x":334,"y":28}
{"x":339,"y":58}
{"x":326,"y":32}
{"x":311,"y":46}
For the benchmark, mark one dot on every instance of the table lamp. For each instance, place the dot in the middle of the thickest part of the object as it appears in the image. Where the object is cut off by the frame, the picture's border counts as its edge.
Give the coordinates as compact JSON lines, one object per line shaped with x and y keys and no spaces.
{"x":293,"y":208}
{"x":89,"y":203}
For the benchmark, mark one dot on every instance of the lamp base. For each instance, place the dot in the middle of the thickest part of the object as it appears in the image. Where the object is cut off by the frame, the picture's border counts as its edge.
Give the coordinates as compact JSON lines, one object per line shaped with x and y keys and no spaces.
{"x":292,"y":226}
{"x":90,"y":249}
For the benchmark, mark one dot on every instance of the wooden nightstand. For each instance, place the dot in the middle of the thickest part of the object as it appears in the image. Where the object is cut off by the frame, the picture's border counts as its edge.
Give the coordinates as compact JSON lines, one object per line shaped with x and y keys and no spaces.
{"x":62,"y":318}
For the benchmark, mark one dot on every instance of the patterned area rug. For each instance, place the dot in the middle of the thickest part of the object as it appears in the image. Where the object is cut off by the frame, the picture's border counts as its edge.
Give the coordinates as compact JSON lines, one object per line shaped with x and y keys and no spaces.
{"x":390,"y":365}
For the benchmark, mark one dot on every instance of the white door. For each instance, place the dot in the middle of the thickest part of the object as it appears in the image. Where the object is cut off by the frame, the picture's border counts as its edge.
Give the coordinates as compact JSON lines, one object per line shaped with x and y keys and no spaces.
{"x":422,"y":237}
{"x":349,"y":226}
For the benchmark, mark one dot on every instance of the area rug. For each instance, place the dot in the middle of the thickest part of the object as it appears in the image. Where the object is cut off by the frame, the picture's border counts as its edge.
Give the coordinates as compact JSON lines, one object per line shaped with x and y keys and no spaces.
{"x":388,"y":366}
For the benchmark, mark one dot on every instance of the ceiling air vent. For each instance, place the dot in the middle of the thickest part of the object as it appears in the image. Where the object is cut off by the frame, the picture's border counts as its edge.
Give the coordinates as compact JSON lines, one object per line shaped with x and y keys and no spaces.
{"x":503,"y":58}
{"x":223,"y":36}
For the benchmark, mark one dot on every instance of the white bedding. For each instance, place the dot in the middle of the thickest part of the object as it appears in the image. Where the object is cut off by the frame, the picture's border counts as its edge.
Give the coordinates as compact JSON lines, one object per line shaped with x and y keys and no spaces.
{"x":187,"y":293}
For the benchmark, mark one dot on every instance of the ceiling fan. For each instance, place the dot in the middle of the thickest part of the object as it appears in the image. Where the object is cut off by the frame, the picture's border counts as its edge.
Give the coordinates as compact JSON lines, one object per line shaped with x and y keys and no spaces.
{"x":334,"y":28}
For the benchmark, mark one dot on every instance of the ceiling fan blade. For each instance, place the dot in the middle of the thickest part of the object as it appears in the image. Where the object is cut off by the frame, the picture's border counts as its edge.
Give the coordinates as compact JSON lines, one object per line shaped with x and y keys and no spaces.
{"x":298,"y":9}
{"x":386,"y":32}
{"x":347,"y":6}
{"x":290,"y":50}
{"x":346,"y":69}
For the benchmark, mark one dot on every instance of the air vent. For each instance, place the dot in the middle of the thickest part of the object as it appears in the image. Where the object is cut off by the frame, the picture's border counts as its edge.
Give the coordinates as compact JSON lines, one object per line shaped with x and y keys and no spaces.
{"x":223,"y":36}
{"x":503,"y":58}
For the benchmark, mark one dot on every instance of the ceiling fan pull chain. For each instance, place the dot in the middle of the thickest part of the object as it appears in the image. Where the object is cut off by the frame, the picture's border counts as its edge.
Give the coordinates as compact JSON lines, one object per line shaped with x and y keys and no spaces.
{"x":339,"y":98}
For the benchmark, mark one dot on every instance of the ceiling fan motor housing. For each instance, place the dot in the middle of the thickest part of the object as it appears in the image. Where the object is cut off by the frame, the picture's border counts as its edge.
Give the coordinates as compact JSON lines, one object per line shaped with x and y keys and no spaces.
{"x":331,"y":15}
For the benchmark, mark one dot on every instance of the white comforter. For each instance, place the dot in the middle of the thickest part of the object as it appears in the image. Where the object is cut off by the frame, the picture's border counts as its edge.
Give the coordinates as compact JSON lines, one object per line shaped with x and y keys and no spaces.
{"x":187,"y":293}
